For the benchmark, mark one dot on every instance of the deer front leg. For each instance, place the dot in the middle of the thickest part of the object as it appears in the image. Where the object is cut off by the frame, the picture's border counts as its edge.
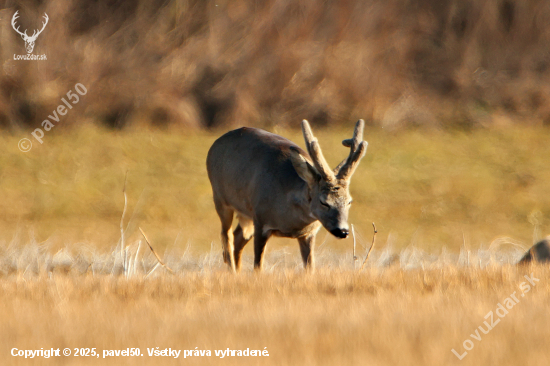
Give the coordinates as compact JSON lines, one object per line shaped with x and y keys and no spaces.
{"x":260,"y":239}
{"x":307,"y":243}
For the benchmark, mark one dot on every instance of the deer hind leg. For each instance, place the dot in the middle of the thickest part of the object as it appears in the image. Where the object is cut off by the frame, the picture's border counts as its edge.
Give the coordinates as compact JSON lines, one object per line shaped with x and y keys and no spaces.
{"x":242,"y":234}
{"x":226,"y":217}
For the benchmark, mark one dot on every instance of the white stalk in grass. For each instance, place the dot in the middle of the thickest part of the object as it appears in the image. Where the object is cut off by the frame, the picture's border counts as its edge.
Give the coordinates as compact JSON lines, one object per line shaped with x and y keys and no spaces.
{"x":122,"y":225}
{"x":127,"y":261}
{"x":136,"y":258}
{"x":153,"y":270}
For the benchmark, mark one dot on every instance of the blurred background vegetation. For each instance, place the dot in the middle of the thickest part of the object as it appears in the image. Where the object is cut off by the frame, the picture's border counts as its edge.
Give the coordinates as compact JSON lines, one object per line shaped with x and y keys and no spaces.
{"x":454,"y":93}
{"x":206,"y":63}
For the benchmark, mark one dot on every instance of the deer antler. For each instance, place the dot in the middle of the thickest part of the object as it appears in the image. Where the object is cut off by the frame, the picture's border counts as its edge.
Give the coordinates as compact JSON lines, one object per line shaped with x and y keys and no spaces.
{"x":15,"y":16}
{"x":314,"y":151}
{"x":358,"y":147}
{"x":35,"y":34}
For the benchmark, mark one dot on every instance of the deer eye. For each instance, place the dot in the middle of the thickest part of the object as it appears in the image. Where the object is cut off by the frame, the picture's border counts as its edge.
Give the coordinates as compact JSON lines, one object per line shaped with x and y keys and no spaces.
{"x":324,"y":204}
{"x":349,"y":203}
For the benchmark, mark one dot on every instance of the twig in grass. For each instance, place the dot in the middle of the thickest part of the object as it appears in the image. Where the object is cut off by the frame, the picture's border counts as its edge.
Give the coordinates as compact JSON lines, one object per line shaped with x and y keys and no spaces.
{"x":122,"y":225}
{"x":372,"y":246}
{"x":155,"y":253}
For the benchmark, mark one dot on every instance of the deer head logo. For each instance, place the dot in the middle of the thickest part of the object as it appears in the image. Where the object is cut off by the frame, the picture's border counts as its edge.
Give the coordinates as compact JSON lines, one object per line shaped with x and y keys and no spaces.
{"x":29,"y":41}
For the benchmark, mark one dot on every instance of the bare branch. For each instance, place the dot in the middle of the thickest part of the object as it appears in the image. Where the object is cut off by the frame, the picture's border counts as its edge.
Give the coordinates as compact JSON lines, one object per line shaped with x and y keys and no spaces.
{"x":155,"y":253}
{"x":372,"y":246}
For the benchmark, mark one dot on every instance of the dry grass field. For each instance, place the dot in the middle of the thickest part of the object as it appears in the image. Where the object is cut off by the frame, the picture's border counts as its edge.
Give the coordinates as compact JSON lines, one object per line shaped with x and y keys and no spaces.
{"x":454,"y":211}
{"x":382,"y":316}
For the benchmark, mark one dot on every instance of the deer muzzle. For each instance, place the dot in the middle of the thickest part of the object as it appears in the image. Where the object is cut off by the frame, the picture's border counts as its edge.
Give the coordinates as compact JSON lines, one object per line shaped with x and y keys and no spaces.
{"x":340,"y":233}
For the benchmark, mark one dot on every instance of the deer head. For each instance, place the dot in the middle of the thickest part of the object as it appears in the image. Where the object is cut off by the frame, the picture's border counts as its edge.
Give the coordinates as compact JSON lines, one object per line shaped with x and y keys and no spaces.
{"x":330,"y":199}
{"x":29,"y":40}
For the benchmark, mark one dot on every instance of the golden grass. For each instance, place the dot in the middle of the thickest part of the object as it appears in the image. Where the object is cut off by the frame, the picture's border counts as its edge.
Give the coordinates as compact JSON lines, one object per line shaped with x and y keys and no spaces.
{"x":335,"y":317}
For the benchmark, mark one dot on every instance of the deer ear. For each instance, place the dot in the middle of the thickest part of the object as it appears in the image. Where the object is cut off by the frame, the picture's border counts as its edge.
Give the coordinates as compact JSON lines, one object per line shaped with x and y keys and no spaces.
{"x":304,"y":168}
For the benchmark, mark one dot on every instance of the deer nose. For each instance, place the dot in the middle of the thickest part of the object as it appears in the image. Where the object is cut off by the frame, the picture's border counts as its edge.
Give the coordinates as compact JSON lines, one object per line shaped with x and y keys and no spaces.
{"x":340,"y":233}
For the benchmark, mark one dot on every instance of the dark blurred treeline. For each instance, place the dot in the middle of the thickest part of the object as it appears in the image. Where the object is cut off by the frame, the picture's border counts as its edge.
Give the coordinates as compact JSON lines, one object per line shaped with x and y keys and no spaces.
{"x":205,"y":63}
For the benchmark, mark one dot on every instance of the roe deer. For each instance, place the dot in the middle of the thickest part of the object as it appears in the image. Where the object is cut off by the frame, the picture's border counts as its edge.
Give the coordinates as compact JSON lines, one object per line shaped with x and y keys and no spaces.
{"x":538,"y":253}
{"x":276,"y":188}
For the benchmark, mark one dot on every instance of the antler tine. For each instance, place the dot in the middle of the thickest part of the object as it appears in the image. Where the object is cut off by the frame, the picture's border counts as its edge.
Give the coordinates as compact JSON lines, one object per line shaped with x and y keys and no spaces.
{"x":35,"y":34}
{"x":46,"y":22}
{"x":308,"y":134}
{"x":358,"y":147}
{"x":357,"y":136}
{"x":13,"y":19}
{"x":315,"y":152}
{"x":349,"y":166}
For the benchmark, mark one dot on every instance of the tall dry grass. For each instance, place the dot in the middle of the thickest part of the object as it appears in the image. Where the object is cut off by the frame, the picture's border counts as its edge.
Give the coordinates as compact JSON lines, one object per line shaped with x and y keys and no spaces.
{"x":381,"y":316}
{"x":209,"y":63}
